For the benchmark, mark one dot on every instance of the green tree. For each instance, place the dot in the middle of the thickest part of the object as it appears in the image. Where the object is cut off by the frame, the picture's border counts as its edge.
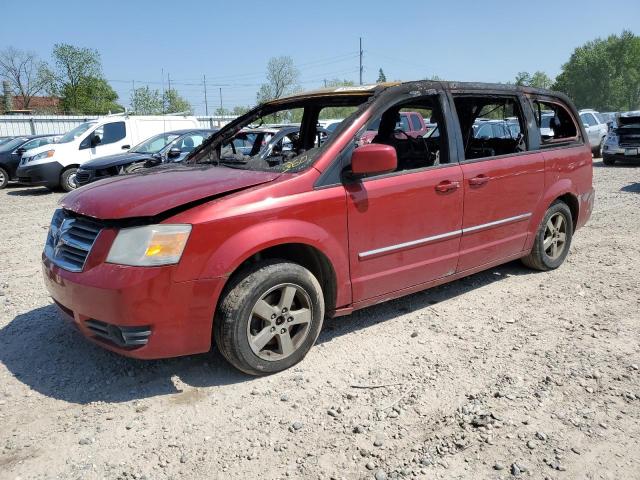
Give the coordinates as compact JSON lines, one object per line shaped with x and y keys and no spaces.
{"x":538,"y":79}
{"x":604,"y":73}
{"x":73,"y":66}
{"x":381,"y":77}
{"x":240,"y":110}
{"x":282,"y":79}
{"x":174,"y":103}
{"x":221,"y":111}
{"x":145,"y":101}
{"x":93,"y":95}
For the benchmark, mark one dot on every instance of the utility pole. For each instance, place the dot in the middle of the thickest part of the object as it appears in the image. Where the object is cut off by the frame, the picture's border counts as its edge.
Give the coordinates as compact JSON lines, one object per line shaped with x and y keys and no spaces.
{"x":162,"y":81}
{"x":221,"y":101}
{"x":206,"y":104}
{"x":361,"y":67}
{"x":133,"y":95}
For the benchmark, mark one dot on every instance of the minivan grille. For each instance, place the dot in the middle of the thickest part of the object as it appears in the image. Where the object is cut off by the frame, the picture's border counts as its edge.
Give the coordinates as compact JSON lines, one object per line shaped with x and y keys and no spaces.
{"x":70,"y":240}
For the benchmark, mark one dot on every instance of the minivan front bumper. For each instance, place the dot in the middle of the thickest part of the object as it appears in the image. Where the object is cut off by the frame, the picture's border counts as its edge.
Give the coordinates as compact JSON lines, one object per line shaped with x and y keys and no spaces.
{"x":139,"y":312}
{"x":44,"y":174}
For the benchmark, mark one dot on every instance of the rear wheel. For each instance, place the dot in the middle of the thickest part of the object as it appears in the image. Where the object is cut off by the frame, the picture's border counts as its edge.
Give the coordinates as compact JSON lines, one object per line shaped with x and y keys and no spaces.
{"x":4,"y":178}
{"x":68,"y":179}
{"x":553,"y":239}
{"x":269,"y":317}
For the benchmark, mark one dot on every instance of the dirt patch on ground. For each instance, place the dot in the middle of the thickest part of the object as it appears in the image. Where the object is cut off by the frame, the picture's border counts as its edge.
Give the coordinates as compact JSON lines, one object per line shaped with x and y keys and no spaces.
{"x":508,"y":373}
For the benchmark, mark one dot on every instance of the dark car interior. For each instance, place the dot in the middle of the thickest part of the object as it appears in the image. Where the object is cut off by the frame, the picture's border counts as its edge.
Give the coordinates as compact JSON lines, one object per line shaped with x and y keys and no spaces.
{"x":561,"y":123}
{"x":412,"y":152}
{"x":471,"y":109}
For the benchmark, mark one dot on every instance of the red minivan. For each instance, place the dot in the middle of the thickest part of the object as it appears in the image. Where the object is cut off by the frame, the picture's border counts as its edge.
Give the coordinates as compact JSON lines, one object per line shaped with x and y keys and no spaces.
{"x":253,"y":253}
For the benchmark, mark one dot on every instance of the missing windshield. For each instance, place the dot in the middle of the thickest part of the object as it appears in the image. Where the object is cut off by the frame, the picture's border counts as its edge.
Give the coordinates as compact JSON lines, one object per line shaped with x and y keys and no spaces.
{"x":281,"y":136}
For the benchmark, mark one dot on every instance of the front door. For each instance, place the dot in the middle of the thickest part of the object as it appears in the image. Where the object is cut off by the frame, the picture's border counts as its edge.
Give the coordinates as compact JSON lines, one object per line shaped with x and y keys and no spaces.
{"x":405,"y":226}
{"x":113,"y":137}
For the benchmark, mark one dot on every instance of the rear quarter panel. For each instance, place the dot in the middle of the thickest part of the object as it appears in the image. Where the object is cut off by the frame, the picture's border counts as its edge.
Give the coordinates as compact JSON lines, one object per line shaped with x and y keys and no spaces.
{"x":568,"y":170}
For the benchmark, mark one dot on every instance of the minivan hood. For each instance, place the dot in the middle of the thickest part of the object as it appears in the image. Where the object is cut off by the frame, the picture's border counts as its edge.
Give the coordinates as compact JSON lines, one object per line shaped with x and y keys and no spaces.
{"x":116,"y":160}
{"x":157,"y":190}
{"x":58,"y":147}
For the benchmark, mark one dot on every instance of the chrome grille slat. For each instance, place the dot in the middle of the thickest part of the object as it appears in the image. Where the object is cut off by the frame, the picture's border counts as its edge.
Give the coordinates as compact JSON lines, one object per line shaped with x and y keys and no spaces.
{"x":70,"y":240}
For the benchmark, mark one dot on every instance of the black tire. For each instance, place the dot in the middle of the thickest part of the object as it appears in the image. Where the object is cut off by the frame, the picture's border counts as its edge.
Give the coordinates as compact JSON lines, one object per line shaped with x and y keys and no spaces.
{"x":134,"y":167}
{"x":235,"y":317}
{"x":608,"y":160}
{"x":540,"y":257}
{"x":597,"y":152}
{"x":4,"y":178}
{"x":67,"y":179}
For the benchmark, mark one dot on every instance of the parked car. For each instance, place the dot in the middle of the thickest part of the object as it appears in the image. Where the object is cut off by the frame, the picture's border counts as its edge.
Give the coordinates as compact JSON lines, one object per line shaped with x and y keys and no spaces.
{"x":265,"y":145}
{"x":162,"y":148}
{"x":12,"y":151}
{"x":330,"y":124}
{"x":56,"y":166}
{"x":254,"y":257}
{"x":610,"y":118}
{"x":488,"y":129}
{"x":623,"y":142}
{"x":597,"y":129}
{"x":410,"y":123}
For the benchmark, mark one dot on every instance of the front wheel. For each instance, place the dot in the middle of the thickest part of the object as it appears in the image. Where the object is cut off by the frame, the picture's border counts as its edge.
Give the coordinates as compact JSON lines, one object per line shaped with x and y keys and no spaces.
{"x":68,"y":180}
{"x":553,"y":239}
{"x":134,"y":167}
{"x":608,"y":160}
{"x":4,"y":178}
{"x":269,"y":317}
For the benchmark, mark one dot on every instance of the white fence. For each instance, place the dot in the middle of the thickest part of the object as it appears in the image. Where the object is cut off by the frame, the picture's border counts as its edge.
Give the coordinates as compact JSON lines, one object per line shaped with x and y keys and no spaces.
{"x":43,"y":124}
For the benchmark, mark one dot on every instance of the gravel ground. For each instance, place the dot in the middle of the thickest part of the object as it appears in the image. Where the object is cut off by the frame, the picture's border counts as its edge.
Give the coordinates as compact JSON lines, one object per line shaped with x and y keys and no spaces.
{"x":503,"y":374}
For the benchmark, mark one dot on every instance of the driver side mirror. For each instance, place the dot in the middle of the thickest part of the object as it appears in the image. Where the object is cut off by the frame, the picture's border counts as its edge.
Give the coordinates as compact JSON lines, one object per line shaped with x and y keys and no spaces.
{"x":95,"y":140}
{"x":20,"y":151}
{"x":373,"y":158}
{"x":174,"y":152}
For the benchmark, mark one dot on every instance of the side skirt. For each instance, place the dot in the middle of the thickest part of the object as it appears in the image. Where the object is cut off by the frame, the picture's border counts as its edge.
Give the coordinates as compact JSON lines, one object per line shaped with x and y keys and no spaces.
{"x":424,"y":286}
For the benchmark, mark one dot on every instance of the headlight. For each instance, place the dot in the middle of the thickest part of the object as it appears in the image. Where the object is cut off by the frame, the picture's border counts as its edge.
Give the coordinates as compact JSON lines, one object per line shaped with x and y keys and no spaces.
{"x":150,"y":245}
{"x":40,"y":156}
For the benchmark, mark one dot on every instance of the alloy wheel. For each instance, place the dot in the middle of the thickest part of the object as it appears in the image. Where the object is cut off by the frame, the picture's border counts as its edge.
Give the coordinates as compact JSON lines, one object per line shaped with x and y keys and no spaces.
{"x":279,"y":322}
{"x":555,"y":236}
{"x":72,"y":182}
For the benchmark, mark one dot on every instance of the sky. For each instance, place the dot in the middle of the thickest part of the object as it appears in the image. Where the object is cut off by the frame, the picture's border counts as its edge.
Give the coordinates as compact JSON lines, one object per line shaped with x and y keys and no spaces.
{"x":145,"y":42}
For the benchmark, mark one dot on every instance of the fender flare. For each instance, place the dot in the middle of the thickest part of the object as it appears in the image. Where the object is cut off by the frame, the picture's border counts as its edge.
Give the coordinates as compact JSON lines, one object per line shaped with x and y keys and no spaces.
{"x":561,"y":187}
{"x":244,"y":244}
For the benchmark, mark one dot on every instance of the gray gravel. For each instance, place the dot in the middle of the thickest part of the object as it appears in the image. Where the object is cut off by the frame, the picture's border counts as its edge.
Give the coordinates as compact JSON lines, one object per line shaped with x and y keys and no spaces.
{"x":506,"y":372}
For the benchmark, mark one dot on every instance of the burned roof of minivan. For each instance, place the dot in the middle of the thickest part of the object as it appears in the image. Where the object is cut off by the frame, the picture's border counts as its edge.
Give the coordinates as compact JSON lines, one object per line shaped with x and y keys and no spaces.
{"x":372,"y":89}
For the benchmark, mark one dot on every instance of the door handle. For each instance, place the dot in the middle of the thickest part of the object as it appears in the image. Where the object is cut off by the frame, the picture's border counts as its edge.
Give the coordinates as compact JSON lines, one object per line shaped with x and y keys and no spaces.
{"x":447,"y":186}
{"x":479,"y":180}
